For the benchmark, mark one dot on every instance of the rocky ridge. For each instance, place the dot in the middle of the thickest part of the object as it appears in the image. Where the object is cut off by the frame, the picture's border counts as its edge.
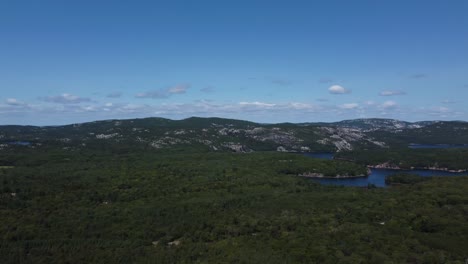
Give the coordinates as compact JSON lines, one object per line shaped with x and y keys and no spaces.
{"x":217,"y":134}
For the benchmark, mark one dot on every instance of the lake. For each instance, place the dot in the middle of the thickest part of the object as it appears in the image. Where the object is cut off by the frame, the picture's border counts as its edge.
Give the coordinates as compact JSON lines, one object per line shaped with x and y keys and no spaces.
{"x":320,"y":155}
{"x":437,"y":146}
{"x":20,"y":143}
{"x":377,"y":176}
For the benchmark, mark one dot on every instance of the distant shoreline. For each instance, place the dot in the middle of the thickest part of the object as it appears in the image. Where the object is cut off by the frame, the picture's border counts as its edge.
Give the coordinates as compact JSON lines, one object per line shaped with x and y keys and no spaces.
{"x":397,"y":168}
{"x":321,"y":176}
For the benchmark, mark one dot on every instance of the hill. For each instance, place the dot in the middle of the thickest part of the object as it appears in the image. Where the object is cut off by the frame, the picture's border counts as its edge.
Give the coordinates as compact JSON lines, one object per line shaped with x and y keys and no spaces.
{"x":218,"y":134}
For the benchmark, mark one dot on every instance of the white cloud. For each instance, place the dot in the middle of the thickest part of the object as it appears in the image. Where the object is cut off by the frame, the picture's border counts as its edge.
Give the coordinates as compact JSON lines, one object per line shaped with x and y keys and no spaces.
{"x":349,"y":106}
{"x":389,"y":104}
{"x":392,"y":93}
{"x":301,"y":106}
{"x":89,"y":108}
{"x":66,"y":98}
{"x":259,"y":111}
{"x":13,"y":105}
{"x":178,"y":89}
{"x":14,"y":102}
{"x":337,"y":89}
{"x":259,"y":104}
{"x":164,"y":93}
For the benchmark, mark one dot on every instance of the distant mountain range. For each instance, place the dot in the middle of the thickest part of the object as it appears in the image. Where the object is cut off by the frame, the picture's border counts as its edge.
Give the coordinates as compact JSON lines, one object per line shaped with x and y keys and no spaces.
{"x":219,"y":134}
{"x":381,"y":124}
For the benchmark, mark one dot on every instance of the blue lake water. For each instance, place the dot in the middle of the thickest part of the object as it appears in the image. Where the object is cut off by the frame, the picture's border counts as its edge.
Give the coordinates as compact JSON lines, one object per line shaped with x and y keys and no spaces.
{"x":377,"y":176}
{"x":437,"y":146}
{"x":320,"y":155}
{"x":20,"y":143}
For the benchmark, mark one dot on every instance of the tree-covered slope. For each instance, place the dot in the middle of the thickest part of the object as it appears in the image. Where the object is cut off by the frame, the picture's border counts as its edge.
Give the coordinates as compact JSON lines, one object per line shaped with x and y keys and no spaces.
{"x":153,"y":207}
{"x":217,"y":134}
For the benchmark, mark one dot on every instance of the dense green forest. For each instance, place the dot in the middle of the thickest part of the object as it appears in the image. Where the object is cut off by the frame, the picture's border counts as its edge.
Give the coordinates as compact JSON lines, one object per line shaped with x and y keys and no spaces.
{"x":116,"y":206}
{"x":404,"y":178}
{"x":211,"y":190}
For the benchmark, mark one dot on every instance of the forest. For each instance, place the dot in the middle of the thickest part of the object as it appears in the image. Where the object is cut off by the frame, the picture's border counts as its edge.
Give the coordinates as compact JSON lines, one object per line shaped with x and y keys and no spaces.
{"x":118,"y":206}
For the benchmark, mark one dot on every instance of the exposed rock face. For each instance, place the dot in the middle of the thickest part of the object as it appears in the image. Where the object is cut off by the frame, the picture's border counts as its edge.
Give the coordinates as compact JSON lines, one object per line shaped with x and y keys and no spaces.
{"x":320,"y":175}
{"x":108,"y":136}
{"x":373,"y":124}
{"x":385,"y":165}
{"x":224,"y":134}
{"x":343,"y":138}
{"x":236,"y":147}
{"x":281,"y":149}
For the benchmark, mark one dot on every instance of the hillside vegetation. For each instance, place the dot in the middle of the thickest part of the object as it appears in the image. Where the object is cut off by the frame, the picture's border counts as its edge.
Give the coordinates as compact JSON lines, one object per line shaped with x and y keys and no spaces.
{"x":217,"y":134}
{"x":209,"y":190}
{"x":150,"y":207}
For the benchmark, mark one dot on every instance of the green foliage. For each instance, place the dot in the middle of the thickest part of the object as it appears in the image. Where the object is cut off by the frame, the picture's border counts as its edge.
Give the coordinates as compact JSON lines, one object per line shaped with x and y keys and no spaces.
{"x":100,"y":206}
{"x":404,"y":178}
{"x":218,"y":134}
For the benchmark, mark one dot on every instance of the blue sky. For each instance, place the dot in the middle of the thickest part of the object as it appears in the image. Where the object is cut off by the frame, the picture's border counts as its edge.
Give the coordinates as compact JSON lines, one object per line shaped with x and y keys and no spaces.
{"x":64,"y":62}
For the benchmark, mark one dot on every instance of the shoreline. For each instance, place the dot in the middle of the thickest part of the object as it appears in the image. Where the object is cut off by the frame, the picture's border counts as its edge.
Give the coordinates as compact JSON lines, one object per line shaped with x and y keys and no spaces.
{"x":396,"y":168}
{"x":321,"y":176}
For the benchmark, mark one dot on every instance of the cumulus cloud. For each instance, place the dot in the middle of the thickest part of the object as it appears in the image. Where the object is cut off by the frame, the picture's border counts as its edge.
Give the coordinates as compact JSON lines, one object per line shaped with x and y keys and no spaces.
{"x":217,"y":109}
{"x":13,"y":105}
{"x":302,"y":106}
{"x":164,"y":93}
{"x":389,"y":104}
{"x":392,"y":93}
{"x":349,"y":106}
{"x":114,"y":95}
{"x":260,"y":104}
{"x":255,"y":110}
{"x":14,"y":102}
{"x":338,"y":89}
{"x":89,"y":108}
{"x":178,"y":89}
{"x":66,"y":98}
{"x":279,"y":108}
{"x":262,"y":111}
